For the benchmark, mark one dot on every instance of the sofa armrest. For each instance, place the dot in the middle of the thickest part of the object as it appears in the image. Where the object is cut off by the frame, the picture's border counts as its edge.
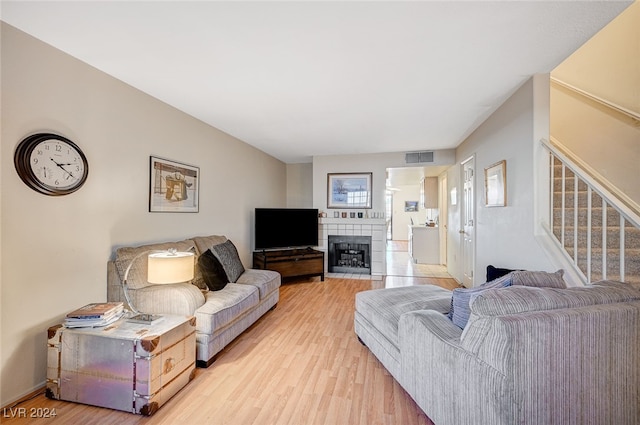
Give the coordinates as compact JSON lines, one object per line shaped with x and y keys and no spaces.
{"x":436,"y":367}
{"x":424,"y":336}
{"x":179,"y":298}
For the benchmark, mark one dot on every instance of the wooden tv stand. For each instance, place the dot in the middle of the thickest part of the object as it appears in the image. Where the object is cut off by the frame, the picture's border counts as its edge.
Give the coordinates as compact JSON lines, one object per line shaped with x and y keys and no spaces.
{"x":291,"y":262}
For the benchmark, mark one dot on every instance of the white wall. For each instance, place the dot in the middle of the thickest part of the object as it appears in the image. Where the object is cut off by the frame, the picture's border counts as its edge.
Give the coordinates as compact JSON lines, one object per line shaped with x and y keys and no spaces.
{"x":55,"y":249}
{"x":504,"y":236}
{"x":401,"y":218}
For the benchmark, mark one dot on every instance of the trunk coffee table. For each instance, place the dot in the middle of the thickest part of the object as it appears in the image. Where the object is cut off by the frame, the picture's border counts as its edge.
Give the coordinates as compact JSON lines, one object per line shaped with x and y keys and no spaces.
{"x":125,"y":366}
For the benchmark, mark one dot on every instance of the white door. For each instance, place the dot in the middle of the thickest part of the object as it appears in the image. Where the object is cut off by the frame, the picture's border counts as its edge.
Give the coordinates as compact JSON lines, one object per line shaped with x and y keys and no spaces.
{"x":443,"y":216}
{"x":468,"y":222}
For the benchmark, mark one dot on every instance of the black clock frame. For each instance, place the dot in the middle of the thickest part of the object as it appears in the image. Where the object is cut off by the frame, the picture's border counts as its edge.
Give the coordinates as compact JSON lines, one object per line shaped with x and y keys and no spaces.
{"x":22,"y":158}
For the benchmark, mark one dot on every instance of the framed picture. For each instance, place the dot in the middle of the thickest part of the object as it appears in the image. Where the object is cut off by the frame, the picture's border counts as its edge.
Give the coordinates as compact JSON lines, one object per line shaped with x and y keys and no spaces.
{"x":495,"y":184}
{"x":173,"y":187}
{"x":349,"y":190}
{"x":410,"y":206}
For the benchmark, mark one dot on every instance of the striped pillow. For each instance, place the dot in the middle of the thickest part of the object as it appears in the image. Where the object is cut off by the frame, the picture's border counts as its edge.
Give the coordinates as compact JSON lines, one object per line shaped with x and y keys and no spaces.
{"x":460,"y":310}
{"x":539,"y":279}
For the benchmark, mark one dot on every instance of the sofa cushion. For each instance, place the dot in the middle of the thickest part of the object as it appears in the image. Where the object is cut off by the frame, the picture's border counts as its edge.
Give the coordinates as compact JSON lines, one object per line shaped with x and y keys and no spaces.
{"x":539,"y":279}
{"x":382,"y":308}
{"x":266,"y":281}
{"x":212,"y":271}
{"x":203,"y":243}
{"x":228,"y":256}
{"x":224,"y":306}
{"x":460,"y":301}
{"x":137,"y":277}
{"x":519,"y":299}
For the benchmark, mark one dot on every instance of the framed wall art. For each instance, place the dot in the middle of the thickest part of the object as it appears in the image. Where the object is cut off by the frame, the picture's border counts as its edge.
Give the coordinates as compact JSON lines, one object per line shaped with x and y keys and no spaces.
{"x":173,"y":186}
{"x":410,"y":206}
{"x":349,"y":190}
{"x":495,"y":184}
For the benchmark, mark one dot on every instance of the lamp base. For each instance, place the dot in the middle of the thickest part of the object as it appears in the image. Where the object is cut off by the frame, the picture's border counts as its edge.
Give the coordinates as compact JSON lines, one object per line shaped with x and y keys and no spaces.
{"x":144,"y":318}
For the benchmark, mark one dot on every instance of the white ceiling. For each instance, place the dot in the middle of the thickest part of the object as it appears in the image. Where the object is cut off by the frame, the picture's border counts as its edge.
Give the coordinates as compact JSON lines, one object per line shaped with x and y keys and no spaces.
{"x":300,"y":78}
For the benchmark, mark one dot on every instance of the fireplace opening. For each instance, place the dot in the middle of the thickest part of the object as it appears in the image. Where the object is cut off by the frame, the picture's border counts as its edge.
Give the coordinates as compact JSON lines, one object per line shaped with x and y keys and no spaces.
{"x":349,"y":254}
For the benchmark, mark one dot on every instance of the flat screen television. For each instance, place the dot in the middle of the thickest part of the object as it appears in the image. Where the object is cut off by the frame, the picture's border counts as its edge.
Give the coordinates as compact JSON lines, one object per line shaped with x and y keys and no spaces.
{"x":285,"y":228}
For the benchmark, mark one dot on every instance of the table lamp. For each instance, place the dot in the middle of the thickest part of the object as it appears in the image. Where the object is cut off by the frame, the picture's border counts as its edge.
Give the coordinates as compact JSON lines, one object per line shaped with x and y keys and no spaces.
{"x":163,"y":267}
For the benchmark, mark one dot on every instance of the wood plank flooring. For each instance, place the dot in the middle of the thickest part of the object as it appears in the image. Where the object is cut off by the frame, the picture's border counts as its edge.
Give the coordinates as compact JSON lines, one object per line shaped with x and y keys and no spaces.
{"x":299,"y":364}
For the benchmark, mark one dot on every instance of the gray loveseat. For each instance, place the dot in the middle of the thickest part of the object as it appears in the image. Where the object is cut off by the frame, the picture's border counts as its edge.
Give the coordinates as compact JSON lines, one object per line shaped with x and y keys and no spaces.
{"x":528,"y":355}
{"x":221,"y":315}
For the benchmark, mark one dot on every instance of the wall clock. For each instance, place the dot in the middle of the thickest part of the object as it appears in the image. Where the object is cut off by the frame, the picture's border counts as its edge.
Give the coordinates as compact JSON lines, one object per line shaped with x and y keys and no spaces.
{"x":51,"y":164}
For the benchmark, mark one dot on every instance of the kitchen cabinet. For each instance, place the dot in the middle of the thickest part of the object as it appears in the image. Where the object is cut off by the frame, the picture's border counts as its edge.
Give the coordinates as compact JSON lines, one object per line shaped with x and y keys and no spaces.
{"x":429,"y":192}
{"x":424,"y":244}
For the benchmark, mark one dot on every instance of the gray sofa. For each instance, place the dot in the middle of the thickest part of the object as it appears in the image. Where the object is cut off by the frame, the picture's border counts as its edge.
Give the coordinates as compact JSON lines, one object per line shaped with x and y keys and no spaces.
{"x":221,"y":315}
{"x":528,"y":355}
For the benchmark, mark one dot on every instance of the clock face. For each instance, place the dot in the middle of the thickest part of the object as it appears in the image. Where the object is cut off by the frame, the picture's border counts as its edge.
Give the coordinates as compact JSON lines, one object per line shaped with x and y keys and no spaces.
{"x":51,"y":164}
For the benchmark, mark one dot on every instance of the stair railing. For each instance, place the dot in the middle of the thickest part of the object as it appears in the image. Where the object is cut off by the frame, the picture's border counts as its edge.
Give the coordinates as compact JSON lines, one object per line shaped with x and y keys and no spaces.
{"x":581,"y":174}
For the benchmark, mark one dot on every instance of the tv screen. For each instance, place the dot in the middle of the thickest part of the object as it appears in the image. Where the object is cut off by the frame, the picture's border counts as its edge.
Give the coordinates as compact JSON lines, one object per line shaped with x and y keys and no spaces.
{"x":286,"y":228}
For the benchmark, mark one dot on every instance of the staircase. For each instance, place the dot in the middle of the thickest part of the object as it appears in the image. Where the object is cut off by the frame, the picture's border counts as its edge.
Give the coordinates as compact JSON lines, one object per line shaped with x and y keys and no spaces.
{"x":597,"y":232}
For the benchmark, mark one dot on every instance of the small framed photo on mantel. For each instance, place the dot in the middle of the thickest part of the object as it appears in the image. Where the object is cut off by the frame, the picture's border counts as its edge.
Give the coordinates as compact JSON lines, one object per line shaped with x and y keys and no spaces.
{"x":495,"y":184}
{"x":173,"y":186}
{"x":349,"y":190}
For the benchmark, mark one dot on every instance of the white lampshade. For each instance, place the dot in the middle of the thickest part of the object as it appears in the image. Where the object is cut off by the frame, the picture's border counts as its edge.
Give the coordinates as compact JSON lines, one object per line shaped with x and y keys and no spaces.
{"x":170,"y":267}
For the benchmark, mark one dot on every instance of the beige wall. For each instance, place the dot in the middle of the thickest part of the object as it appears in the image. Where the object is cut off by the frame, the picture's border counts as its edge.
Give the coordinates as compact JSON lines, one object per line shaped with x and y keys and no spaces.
{"x":375,"y":163}
{"x":55,"y":249}
{"x":607,"y":66}
{"x":504,"y":236}
{"x":299,"y":185}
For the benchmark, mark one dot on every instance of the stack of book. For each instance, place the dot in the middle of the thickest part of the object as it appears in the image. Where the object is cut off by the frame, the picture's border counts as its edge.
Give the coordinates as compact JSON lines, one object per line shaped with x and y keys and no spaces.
{"x":94,"y":315}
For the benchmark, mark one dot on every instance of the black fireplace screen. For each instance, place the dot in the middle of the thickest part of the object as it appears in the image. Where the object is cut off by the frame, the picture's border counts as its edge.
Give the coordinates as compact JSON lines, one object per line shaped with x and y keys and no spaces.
{"x":349,"y":254}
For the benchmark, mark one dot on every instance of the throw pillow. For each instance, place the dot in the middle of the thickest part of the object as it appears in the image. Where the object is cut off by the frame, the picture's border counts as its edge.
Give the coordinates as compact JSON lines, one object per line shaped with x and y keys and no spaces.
{"x":212,"y":271}
{"x":460,"y":301}
{"x":228,"y":256}
{"x":495,"y":272}
{"x":539,"y":279}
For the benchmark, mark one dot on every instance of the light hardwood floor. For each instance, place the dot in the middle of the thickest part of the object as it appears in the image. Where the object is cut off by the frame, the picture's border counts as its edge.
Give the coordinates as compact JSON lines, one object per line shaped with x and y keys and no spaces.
{"x":299,"y":364}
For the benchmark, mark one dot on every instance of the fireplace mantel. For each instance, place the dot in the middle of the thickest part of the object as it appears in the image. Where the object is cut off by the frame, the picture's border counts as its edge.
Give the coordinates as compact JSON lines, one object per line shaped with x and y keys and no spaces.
{"x":331,"y":220}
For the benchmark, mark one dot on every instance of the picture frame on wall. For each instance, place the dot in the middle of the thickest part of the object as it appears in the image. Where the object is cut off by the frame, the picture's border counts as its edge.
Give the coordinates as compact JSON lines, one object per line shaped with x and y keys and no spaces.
{"x":349,"y":190}
{"x":410,"y":206}
{"x":173,"y":186}
{"x":495,"y":184}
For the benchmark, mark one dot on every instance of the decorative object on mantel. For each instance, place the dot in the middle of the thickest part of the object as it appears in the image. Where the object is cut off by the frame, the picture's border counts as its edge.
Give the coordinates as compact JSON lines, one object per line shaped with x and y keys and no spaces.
{"x":495,"y":184}
{"x":173,"y":187}
{"x":51,"y":164}
{"x":349,"y":190}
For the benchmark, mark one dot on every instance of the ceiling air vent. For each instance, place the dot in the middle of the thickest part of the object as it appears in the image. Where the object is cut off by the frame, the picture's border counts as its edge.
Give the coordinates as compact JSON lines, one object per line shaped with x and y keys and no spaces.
{"x":418,"y":157}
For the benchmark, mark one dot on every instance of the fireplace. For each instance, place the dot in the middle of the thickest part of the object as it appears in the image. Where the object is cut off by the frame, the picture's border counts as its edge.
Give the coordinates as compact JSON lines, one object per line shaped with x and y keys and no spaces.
{"x":349,"y":254}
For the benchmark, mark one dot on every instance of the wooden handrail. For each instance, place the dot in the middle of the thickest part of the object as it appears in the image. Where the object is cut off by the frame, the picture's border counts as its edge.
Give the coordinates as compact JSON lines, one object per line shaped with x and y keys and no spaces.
{"x":628,"y":112}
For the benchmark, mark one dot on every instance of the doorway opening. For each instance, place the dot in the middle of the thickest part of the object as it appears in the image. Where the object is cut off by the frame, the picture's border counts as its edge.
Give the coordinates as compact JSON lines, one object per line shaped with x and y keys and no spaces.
{"x":413,"y":207}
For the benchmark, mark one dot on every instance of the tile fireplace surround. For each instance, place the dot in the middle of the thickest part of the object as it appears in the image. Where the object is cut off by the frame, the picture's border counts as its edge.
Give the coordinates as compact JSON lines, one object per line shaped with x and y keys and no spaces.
{"x":374,"y":227}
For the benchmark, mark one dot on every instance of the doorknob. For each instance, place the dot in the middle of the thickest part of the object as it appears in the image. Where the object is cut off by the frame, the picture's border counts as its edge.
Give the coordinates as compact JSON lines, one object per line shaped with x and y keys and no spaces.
{"x":461,"y":231}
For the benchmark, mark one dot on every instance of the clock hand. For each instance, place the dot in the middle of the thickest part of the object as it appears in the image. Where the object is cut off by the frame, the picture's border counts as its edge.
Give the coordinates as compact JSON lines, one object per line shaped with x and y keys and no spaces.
{"x":61,"y":166}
